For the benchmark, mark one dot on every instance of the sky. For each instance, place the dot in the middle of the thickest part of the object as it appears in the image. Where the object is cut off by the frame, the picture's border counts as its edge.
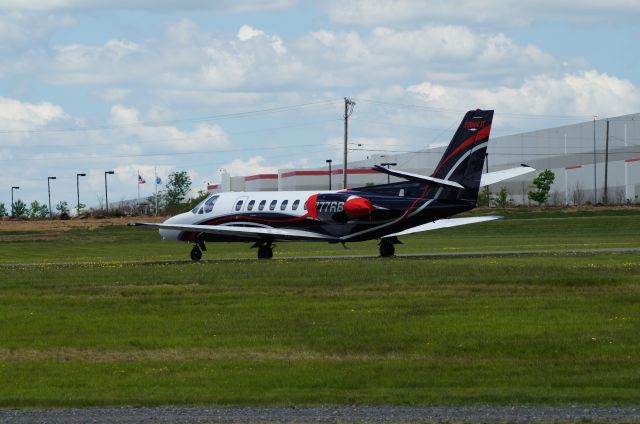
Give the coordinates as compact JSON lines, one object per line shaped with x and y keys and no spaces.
{"x":252,"y":86}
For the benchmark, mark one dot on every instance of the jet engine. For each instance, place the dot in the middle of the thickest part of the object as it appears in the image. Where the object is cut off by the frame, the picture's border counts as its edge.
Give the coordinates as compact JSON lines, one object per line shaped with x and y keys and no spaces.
{"x":338,"y":207}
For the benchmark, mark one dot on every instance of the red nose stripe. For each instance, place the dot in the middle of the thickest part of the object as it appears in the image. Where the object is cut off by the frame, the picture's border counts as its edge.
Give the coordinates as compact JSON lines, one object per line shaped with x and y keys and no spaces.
{"x":358,"y":206}
{"x":312,"y":211}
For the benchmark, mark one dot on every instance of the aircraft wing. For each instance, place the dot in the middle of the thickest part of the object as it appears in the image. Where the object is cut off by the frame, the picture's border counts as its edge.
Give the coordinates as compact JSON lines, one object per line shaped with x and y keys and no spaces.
{"x":497,"y":176}
{"x":249,"y":232}
{"x":444,"y":223}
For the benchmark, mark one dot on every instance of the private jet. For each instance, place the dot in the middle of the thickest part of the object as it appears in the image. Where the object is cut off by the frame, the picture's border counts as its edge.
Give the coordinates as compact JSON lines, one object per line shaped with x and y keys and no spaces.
{"x":383,"y":212}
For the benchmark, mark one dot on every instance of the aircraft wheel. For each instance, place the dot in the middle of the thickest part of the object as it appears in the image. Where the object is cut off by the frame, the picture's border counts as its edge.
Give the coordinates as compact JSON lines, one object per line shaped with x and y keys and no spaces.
{"x":265,"y":252}
{"x":387,"y":249}
{"x":196,"y":253}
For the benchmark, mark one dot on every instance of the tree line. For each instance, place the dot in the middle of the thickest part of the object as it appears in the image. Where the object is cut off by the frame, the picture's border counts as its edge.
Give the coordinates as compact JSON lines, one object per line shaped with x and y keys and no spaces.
{"x":171,"y":199}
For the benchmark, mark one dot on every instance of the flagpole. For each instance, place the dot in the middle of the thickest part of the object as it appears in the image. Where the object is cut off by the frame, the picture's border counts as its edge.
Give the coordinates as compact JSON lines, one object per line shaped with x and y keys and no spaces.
{"x":155,"y":180}
{"x":138,"y":198}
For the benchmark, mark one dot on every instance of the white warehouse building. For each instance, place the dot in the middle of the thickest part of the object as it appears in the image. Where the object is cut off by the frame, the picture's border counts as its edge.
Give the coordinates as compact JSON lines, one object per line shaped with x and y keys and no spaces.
{"x":584,"y":160}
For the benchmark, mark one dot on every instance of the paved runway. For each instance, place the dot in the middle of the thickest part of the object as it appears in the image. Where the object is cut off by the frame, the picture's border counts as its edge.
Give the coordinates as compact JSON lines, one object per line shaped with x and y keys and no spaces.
{"x":373,"y":414}
{"x":347,"y":257}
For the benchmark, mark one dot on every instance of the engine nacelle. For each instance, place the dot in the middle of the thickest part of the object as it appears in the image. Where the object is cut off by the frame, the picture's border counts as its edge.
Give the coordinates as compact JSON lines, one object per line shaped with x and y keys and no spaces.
{"x":338,"y":207}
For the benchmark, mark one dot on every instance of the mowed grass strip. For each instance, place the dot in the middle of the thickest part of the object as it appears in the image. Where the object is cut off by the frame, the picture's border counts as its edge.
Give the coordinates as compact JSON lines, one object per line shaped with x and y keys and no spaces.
{"x":521,"y":229}
{"x":550,"y":329}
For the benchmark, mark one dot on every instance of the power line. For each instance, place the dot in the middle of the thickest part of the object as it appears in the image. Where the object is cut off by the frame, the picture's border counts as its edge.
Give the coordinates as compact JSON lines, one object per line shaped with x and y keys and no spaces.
{"x":174,"y":121}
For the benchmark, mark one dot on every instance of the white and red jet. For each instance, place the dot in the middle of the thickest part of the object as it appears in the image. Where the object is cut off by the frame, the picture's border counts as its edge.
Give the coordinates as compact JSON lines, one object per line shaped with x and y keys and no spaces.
{"x":383,"y":212}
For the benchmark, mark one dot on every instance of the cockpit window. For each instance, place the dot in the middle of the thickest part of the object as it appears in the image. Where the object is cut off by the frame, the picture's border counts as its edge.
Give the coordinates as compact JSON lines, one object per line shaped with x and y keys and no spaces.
{"x":208,"y":204}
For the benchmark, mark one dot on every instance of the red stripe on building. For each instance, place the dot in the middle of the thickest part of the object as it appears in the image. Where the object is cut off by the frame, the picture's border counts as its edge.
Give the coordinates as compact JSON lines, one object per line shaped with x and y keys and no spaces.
{"x":212,"y":186}
{"x":261,"y":177}
{"x":333,"y":172}
{"x":633,"y":160}
{"x":573,"y":167}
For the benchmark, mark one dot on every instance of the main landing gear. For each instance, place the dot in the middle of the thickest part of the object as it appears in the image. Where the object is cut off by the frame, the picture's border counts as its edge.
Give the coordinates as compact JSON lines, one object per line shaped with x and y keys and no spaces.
{"x":196,"y":251}
{"x":265,"y":249}
{"x":387,"y":246}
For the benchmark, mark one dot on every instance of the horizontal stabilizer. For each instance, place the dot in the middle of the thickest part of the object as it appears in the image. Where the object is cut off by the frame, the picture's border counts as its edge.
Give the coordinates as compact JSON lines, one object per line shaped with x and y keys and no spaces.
{"x":444,"y":223}
{"x":416,"y":177}
{"x":497,"y":176}
{"x":249,"y":232}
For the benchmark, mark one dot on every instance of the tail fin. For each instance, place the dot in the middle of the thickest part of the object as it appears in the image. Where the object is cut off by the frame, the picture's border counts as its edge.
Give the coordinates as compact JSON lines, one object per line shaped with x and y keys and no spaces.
{"x":463,"y":160}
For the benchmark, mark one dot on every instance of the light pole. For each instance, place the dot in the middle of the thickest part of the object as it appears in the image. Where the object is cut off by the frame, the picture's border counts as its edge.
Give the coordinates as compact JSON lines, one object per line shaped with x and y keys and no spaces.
{"x":78,"y":189}
{"x":595,"y":183}
{"x":106,"y":193}
{"x":388,"y":165}
{"x":49,"y":191}
{"x":329,"y":162}
{"x":13,"y":188}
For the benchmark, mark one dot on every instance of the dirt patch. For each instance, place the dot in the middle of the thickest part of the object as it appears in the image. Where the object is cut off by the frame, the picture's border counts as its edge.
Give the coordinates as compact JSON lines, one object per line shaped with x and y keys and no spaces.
{"x":55,"y":226}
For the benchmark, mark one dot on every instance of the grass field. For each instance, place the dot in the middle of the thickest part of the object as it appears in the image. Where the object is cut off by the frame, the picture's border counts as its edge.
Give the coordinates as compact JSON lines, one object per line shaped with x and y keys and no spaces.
{"x":85,"y":328}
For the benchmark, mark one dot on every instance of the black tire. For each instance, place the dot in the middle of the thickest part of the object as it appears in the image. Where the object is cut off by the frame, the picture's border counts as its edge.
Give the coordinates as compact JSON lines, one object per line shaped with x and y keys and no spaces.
{"x":196,"y":253}
{"x":265,"y":252}
{"x":387,"y":249}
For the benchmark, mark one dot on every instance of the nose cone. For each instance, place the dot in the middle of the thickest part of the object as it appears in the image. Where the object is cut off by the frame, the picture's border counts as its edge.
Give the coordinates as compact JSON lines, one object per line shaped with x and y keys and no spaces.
{"x":168,"y":234}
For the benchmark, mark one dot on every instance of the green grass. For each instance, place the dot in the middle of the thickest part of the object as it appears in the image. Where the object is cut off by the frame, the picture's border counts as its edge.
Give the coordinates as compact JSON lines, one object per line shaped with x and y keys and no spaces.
{"x":538,"y":329}
{"x":521,"y":229}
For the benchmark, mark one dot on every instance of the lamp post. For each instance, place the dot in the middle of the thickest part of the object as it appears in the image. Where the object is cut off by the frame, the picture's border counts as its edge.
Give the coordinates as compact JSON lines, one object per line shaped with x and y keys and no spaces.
{"x":13,"y":188}
{"x":595,"y":183}
{"x":49,"y":192}
{"x":106,"y":193}
{"x":78,"y":189}
{"x":329,"y":162}
{"x":388,"y":165}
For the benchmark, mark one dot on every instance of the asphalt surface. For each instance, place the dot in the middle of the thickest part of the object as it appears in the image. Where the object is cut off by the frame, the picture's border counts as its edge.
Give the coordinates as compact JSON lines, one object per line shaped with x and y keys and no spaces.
{"x":336,"y":257}
{"x":373,"y":414}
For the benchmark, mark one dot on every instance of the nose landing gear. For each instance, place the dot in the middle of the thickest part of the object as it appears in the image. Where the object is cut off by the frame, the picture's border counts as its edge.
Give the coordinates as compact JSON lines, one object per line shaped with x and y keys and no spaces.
{"x":196,"y":251}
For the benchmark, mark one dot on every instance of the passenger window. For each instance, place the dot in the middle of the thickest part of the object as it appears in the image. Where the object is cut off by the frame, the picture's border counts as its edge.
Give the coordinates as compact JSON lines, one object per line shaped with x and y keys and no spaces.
{"x":295,"y":204}
{"x":250,"y":205}
{"x":283,"y":206}
{"x":239,"y":205}
{"x":261,"y":205}
{"x":272,"y":206}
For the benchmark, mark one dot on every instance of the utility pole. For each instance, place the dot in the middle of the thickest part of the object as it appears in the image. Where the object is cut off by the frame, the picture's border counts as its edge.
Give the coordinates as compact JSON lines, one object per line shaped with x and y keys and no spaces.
{"x":606,"y":165}
{"x":348,"y":110}
{"x":329,"y":162}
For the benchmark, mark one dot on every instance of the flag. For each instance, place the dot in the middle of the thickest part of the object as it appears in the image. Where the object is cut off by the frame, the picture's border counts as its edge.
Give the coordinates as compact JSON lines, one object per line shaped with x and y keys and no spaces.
{"x":141,"y":180}
{"x":158,"y":180}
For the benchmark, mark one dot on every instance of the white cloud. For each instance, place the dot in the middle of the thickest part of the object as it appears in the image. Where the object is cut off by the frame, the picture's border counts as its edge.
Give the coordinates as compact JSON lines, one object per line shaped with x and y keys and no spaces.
{"x":253,"y":165}
{"x":583,"y":93}
{"x":384,"y":12}
{"x":18,"y":118}
{"x":229,"y":6}
{"x":140,"y":137}
{"x":114,"y":95}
